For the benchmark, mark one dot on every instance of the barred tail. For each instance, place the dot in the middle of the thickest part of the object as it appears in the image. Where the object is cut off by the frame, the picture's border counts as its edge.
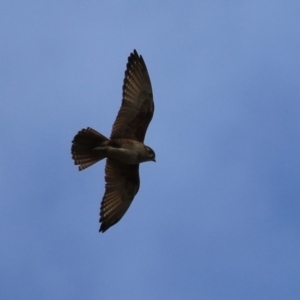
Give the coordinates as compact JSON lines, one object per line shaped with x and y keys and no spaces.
{"x":83,"y":149}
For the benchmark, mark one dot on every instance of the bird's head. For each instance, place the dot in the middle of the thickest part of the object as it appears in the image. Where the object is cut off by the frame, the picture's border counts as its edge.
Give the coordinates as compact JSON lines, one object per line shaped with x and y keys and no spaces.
{"x":150,"y":154}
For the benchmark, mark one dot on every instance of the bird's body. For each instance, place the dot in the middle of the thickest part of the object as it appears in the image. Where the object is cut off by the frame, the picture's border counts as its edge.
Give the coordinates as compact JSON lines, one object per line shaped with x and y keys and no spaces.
{"x":128,"y":151}
{"x":125,"y":149}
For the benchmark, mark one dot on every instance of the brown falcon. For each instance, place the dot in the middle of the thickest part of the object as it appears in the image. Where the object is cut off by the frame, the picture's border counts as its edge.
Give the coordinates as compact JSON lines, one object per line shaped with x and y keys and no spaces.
{"x":125,"y":148}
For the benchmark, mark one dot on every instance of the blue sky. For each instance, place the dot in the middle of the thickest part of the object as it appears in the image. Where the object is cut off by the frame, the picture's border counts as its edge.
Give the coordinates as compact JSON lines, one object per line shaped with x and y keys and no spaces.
{"x":217,"y":216}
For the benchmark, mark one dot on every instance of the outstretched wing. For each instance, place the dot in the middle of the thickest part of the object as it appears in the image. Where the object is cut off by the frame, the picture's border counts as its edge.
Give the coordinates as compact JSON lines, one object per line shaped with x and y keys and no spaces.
{"x":122,"y":184}
{"x":137,"y":106}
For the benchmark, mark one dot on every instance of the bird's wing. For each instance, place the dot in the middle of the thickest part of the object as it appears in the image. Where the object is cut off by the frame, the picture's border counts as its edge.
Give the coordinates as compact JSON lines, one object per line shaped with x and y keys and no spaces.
{"x":122,"y":184}
{"x":137,"y":106}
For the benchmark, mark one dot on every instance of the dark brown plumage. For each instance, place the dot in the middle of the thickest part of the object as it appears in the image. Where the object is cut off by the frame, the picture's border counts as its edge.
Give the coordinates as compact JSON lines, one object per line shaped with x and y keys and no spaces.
{"x":125,"y":149}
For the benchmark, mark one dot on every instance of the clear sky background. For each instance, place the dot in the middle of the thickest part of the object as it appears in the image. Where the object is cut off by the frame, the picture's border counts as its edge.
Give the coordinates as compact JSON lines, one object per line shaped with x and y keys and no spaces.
{"x":217,"y":216}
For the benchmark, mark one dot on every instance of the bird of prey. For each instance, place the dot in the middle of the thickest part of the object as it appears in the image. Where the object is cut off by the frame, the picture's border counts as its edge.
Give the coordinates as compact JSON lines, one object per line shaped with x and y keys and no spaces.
{"x":125,"y":148}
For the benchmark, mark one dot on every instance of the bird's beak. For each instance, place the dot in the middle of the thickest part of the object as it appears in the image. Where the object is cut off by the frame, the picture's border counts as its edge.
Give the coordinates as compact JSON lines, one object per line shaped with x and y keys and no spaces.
{"x":154,"y":160}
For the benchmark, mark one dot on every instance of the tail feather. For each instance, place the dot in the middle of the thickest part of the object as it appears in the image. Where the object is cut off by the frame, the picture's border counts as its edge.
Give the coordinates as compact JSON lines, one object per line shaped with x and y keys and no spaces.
{"x":83,"y":149}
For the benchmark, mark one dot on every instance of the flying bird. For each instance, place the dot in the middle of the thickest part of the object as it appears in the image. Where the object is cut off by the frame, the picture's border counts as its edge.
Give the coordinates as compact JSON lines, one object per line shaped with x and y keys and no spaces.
{"x":125,"y":149}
